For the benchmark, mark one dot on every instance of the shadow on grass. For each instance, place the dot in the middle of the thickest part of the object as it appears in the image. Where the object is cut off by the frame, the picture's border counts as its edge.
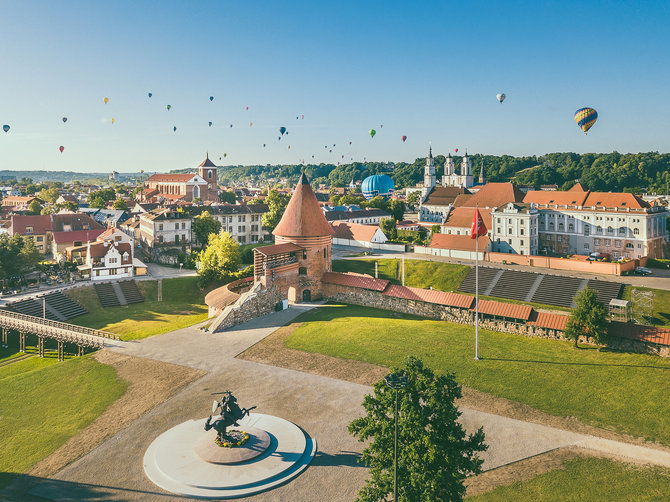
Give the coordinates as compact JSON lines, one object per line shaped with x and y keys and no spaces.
{"x":343,"y":458}
{"x":332,"y":311}
{"x":569,"y":363}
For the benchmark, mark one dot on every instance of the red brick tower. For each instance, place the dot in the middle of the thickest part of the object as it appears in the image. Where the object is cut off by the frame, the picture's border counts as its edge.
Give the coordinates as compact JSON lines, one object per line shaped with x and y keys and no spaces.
{"x":304,"y":225}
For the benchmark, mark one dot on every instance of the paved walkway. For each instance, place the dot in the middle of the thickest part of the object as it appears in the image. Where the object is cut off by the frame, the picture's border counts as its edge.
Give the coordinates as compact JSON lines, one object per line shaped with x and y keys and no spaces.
{"x":322,"y":406}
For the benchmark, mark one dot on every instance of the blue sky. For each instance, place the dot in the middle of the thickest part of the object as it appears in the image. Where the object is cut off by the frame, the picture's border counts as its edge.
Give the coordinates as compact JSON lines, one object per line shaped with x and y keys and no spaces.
{"x":428,"y":70}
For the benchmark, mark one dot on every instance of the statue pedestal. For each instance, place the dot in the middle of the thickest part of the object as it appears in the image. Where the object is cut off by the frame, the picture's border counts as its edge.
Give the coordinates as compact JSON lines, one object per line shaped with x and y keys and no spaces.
{"x":207,"y":449}
{"x":176,"y":460}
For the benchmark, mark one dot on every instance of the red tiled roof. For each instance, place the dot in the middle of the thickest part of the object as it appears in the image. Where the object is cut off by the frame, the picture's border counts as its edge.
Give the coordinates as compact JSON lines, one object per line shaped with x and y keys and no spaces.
{"x":430,"y":296}
{"x":278,"y":249}
{"x":354,"y":231}
{"x":458,"y":242}
{"x":172,"y":196}
{"x":303,"y":216}
{"x":443,"y":196}
{"x":171,"y":178}
{"x":509,"y":310}
{"x":549,"y":321}
{"x":355,"y":281}
{"x":76,"y":235}
{"x":461,"y":217}
{"x":492,"y":195}
{"x":607,"y":199}
{"x":575,"y":198}
{"x":99,"y":249}
{"x":577,"y":187}
{"x":651,"y":334}
{"x":207,"y":163}
{"x":41,"y":223}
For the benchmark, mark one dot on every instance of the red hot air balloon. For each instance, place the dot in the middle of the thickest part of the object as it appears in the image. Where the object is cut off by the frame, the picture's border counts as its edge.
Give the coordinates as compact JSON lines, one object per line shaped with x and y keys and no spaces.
{"x":403,"y":138}
{"x":61,"y":148}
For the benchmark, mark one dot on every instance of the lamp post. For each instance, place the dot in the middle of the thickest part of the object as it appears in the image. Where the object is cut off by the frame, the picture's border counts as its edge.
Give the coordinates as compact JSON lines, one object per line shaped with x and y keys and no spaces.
{"x":396,"y":382}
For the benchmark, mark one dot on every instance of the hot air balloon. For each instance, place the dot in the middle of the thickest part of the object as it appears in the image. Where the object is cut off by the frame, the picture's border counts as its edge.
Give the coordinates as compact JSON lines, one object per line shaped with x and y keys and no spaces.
{"x":372,"y":133}
{"x":585,"y":118}
{"x":456,"y":150}
{"x":5,"y":128}
{"x":297,"y":118}
{"x":247,"y":107}
{"x":350,"y":142}
{"x":250,"y":124}
{"x":282,"y":130}
{"x":231,"y":125}
{"x":168,"y":107}
{"x":403,"y":138}
{"x":302,"y":117}
{"x":106,"y":100}
{"x":64,"y":120}
{"x":211,"y":98}
{"x":381,"y":126}
{"x":150,"y":94}
{"x":225,"y":155}
{"x":263,"y":145}
{"x":210,"y":123}
{"x":61,"y":148}
{"x":174,"y":129}
{"x":289,"y":147}
{"x":113,"y":120}
{"x":501,"y":97}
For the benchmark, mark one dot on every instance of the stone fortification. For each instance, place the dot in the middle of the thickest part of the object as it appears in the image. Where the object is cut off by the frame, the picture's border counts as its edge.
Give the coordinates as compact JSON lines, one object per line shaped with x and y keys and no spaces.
{"x":256,"y":302}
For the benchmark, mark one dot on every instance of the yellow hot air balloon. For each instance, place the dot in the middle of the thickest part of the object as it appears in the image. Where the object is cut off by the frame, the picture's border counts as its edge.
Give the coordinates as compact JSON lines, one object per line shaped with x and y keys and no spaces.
{"x":113,"y":120}
{"x":106,"y":100}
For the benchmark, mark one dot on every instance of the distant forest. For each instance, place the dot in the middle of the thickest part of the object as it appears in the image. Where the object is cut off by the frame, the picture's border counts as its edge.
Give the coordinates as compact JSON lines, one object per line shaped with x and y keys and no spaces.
{"x":605,"y":172}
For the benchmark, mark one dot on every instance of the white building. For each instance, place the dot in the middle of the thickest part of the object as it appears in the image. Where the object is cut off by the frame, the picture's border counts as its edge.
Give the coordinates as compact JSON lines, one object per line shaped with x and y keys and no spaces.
{"x":515,"y":228}
{"x":451,"y":179}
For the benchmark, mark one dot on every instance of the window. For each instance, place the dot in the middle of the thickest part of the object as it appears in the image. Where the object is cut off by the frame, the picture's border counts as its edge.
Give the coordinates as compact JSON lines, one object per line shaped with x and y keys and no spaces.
{"x":509,"y":230}
{"x":622,"y":231}
{"x":571,"y":228}
{"x":559,"y":238}
{"x":176,"y":226}
{"x":498,"y":230}
{"x":596,"y":242}
{"x":608,"y":242}
{"x":324,"y":252}
{"x":636,"y":231}
{"x":521,"y":242}
{"x":561,"y":226}
{"x":254,"y":228}
{"x":630,"y":246}
{"x":610,"y":230}
{"x":509,"y":241}
{"x":160,"y":238}
{"x":176,"y":239}
{"x":160,"y":227}
{"x":586,"y":245}
{"x":304,"y":255}
{"x":639,"y":246}
{"x":617,"y":244}
{"x":241,"y":229}
{"x":29,"y":230}
{"x":302,"y":271}
{"x":183,"y":225}
{"x":521,"y":231}
{"x":243,"y":239}
{"x":209,"y":174}
{"x":39,"y":238}
{"x":230,"y":219}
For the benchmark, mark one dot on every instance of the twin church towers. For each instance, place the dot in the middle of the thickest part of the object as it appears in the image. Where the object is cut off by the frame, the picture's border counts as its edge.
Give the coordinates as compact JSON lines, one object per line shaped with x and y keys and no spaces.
{"x":450,"y":178}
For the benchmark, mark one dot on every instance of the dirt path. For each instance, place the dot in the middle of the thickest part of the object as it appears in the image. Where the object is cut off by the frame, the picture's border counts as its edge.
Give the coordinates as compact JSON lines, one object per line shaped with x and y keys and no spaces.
{"x":273,"y":351}
{"x":151,"y":383}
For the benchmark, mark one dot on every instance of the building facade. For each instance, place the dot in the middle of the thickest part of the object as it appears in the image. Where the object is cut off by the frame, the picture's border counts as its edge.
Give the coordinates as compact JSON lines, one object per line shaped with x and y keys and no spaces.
{"x":162,"y":228}
{"x":514,"y":228}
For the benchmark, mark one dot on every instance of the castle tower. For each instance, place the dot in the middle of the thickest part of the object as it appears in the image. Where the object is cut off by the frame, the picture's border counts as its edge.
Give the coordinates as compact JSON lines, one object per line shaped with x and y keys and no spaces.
{"x":429,"y":178}
{"x":207,"y":171}
{"x":303,"y":224}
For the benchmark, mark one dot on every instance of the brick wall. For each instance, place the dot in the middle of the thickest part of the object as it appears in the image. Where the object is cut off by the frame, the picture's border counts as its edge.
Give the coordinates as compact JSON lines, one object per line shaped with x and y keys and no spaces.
{"x":255,"y":303}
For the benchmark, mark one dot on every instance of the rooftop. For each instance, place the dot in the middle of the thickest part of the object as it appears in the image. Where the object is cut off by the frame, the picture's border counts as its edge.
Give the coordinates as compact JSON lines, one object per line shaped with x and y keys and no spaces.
{"x":303,"y":216}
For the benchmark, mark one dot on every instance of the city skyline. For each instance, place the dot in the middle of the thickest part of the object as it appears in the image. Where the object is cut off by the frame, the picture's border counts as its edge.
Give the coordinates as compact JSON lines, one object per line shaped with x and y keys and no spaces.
{"x":430,"y":73}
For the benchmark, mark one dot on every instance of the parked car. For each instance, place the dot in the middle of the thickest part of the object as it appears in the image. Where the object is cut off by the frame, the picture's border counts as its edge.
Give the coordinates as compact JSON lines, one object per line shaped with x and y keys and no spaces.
{"x":598,"y":257}
{"x":642,"y":271}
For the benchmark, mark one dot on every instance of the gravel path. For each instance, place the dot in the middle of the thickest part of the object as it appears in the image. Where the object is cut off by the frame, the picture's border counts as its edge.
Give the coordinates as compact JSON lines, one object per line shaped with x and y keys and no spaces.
{"x":321,"y":405}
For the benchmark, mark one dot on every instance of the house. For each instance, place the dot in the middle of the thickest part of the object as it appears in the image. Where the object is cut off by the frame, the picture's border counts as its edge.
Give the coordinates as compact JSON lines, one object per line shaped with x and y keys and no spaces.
{"x":36,"y":227}
{"x":62,"y":199}
{"x":63,"y":240}
{"x":165,"y":232}
{"x":514,"y":228}
{"x":458,"y":246}
{"x":354,"y":234}
{"x":243,"y":222}
{"x":18,"y":201}
{"x":105,"y":259}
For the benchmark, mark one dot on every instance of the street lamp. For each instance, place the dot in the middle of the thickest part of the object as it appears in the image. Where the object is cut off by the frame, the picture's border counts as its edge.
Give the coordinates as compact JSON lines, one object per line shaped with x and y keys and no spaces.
{"x":396,"y":382}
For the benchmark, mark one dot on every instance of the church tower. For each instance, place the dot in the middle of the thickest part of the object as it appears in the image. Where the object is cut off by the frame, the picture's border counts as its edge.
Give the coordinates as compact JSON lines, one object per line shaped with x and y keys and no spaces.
{"x":466,"y":165}
{"x":429,"y":178}
{"x":449,"y":171}
{"x":207,"y":171}
{"x":481,"y":173}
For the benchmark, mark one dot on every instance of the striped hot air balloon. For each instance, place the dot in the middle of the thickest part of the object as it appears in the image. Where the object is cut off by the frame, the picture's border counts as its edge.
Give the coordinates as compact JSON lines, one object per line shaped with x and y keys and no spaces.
{"x":585,"y":118}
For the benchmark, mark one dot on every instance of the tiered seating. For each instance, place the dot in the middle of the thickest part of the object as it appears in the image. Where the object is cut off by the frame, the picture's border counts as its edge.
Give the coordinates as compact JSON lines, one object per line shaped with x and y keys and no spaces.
{"x":513,"y":285}
{"x":486,"y":275}
{"x":107,"y":295}
{"x":557,"y":290}
{"x":131,"y":292}
{"x":31,"y":307}
{"x":605,"y":290}
{"x":64,"y":305}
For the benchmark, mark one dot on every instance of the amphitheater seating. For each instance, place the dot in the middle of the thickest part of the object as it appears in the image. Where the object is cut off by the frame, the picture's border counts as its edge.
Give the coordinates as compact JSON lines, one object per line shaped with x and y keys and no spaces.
{"x":514,"y":285}
{"x":107,"y":295}
{"x":486,"y":275}
{"x":59,"y":307}
{"x":557,"y":290}
{"x":605,"y":290}
{"x":131,"y":292}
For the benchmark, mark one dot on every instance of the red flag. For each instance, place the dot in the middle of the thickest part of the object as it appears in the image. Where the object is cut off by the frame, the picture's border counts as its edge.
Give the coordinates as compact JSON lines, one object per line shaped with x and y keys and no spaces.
{"x":478,"y":228}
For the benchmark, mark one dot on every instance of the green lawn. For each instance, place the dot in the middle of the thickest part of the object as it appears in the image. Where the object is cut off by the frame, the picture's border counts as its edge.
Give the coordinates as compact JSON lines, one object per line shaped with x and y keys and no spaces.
{"x":418,"y":273}
{"x":661,"y":306}
{"x":625,"y":392}
{"x":183,"y":305}
{"x":587,"y":479}
{"x":43,"y":403}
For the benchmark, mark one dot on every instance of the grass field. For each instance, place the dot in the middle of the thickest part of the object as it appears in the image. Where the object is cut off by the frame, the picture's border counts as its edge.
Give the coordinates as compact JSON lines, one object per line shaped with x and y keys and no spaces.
{"x":586,"y":480}
{"x":183,"y":305}
{"x":418,"y":273}
{"x":661,"y":306}
{"x":43,"y":403}
{"x":624,"y":392}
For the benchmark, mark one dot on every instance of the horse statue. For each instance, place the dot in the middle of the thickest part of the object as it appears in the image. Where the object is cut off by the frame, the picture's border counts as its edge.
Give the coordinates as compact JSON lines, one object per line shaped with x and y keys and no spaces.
{"x":229,"y":415}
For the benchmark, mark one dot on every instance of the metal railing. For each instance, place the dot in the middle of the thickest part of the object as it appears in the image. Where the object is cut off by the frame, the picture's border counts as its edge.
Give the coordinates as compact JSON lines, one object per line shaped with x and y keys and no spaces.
{"x":73,"y":328}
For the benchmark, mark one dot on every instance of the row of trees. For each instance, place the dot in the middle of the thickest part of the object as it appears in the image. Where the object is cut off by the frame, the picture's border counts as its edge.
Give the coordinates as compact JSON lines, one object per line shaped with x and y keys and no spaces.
{"x":18,"y":256}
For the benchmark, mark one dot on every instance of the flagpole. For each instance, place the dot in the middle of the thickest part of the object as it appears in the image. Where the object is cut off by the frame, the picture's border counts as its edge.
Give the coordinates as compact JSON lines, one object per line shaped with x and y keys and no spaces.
{"x":477,"y":286}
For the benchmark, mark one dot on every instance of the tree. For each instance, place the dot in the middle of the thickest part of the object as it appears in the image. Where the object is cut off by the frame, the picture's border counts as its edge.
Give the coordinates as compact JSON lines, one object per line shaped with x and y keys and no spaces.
{"x":378,"y":202}
{"x":120,"y":204}
{"x":277,"y":203}
{"x":413,"y":199}
{"x":98,"y":202}
{"x":220,"y":260}
{"x":435,"y":229}
{"x":589,"y":319}
{"x":397,"y":209}
{"x":389,"y":228}
{"x":68,"y":206}
{"x":35,"y":207}
{"x":204,"y":225}
{"x":434,"y":455}
{"x":229,"y":197}
{"x":49,"y":195}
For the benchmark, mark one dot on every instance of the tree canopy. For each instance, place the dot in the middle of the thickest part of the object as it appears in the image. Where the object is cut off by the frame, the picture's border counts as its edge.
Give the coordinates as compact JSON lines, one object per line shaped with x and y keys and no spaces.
{"x":277,"y":203}
{"x":229,"y":197}
{"x":204,"y":225}
{"x":18,"y":256}
{"x":589,"y":319}
{"x":220,"y":260}
{"x":435,"y":454}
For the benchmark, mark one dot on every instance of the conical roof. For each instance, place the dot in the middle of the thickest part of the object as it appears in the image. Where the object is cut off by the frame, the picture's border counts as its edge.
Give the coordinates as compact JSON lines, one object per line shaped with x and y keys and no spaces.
{"x":207,"y":163}
{"x":303,"y":216}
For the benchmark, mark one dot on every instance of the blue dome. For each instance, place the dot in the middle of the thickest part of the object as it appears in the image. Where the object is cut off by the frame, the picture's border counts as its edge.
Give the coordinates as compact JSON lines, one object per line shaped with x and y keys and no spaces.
{"x":378,"y":184}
